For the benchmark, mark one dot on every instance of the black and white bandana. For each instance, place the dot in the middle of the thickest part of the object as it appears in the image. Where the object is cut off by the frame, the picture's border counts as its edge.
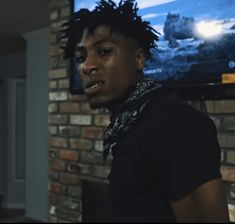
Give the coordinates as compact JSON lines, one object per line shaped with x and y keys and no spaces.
{"x":129,"y":113}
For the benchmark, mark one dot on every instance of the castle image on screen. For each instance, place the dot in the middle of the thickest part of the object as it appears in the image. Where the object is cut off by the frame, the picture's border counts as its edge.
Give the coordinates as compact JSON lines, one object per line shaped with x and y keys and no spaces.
{"x":197,"y":38}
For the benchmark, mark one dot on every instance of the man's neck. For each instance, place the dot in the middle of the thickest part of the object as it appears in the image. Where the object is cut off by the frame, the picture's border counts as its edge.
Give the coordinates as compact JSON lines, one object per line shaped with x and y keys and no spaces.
{"x":116,"y":106}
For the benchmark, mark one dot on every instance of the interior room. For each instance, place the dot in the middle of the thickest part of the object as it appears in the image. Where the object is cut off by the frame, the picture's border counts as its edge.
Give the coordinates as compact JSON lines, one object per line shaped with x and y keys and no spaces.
{"x":51,"y":141}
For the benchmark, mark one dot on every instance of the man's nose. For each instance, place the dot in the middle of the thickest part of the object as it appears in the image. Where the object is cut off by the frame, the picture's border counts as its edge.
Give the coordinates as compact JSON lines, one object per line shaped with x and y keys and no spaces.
{"x":90,"y":65}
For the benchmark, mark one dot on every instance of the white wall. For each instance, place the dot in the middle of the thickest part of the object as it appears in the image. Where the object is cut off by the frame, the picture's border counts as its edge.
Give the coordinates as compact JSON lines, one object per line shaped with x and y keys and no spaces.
{"x":37,"y":125}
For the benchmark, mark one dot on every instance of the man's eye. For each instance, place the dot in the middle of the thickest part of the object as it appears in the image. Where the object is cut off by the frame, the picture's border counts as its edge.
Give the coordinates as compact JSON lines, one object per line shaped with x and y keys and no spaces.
{"x":80,"y":58}
{"x":105,"y":51}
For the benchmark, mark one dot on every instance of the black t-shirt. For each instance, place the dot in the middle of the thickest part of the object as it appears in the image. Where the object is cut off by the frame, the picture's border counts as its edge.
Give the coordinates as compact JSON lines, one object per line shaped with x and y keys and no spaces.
{"x":171,"y":150}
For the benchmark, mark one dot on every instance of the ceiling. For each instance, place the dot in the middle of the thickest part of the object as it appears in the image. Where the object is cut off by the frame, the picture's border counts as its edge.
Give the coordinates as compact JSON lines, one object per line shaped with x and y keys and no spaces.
{"x":18,"y":17}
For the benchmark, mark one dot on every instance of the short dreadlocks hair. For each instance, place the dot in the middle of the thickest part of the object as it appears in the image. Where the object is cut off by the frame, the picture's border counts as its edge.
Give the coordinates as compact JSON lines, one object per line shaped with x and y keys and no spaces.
{"x":121,"y":18}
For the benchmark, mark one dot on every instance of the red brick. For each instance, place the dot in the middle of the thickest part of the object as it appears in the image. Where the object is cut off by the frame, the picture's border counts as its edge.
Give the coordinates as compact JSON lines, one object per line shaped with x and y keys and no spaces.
{"x":58,"y":119}
{"x":54,"y":62}
{"x":58,"y":73}
{"x":92,"y":157}
{"x":69,"y":131}
{"x":100,"y":171}
{"x":64,"y":84}
{"x":56,"y":164}
{"x":55,"y":26}
{"x":85,"y":169}
{"x":102,"y":120}
{"x":92,"y":133}
{"x":69,"y":107}
{"x":53,"y":153}
{"x":56,"y":51}
{"x":75,"y":192}
{"x":229,"y":123}
{"x":58,"y":142}
{"x":221,"y":106}
{"x":53,"y":38}
{"x":81,"y":144}
{"x":69,"y":155}
{"x":68,"y":178}
{"x":85,"y":108}
{"x":81,"y":120}
{"x":53,"y":219}
{"x":58,"y":4}
{"x":53,"y":175}
{"x":53,"y":84}
{"x":77,"y":98}
{"x":227,"y":140}
{"x":65,"y":12}
{"x":52,"y":108}
{"x":73,"y":167}
{"x":58,"y":96}
{"x":68,"y":203}
{"x":230,"y":157}
{"x":231,"y":209}
{"x":99,"y":146}
{"x":53,"y":198}
{"x":54,"y":15}
{"x":67,"y":215}
{"x":228,"y":173}
{"x":52,"y":130}
{"x":57,"y":188}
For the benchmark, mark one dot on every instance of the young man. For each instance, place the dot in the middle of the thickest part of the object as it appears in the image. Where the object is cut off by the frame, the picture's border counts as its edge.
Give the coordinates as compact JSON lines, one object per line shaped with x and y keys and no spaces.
{"x":166,"y":158}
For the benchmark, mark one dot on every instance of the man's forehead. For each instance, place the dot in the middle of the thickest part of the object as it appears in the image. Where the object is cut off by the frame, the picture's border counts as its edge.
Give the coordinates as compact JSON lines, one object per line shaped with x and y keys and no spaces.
{"x":100,"y":32}
{"x":104,"y":33}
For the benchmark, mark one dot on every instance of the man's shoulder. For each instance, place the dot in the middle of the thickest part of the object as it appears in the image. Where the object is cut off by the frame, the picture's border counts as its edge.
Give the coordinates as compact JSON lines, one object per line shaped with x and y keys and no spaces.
{"x":169,"y":107}
{"x":167,"y":102}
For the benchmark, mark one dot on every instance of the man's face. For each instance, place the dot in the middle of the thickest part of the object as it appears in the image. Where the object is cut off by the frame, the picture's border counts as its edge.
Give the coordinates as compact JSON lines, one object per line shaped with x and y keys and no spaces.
{"x":107,"y":65}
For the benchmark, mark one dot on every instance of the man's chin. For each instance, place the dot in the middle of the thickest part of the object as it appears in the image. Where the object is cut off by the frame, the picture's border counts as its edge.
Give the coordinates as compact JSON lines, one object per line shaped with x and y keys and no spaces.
{"x":96,"y":104}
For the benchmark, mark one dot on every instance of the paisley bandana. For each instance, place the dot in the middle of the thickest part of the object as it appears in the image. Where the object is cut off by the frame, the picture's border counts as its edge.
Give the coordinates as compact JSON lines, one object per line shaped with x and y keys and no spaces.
{"x":130,"y":112}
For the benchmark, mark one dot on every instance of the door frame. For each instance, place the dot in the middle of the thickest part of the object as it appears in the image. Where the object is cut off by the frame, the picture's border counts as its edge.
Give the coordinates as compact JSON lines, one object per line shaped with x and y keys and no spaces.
{"x":15,"y":186}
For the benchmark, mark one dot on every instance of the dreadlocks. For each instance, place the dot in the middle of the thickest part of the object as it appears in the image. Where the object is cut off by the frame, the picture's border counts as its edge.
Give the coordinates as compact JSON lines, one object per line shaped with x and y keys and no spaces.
{"x":122,"y":18}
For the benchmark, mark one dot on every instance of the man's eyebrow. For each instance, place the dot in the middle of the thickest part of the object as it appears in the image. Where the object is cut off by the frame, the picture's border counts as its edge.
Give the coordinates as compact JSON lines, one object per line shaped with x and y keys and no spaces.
{"x":98,"y":42}
{"x":103,"y":40}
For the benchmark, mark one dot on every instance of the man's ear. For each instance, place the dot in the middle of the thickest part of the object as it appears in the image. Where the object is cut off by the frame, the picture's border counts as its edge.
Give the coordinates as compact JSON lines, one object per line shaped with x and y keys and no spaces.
{"x":140,"y":59}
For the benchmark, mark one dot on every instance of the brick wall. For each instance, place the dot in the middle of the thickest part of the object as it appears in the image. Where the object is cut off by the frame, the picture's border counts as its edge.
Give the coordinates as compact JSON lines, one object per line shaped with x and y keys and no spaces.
{"x":76,"y":131}
{"x":223,"y":115}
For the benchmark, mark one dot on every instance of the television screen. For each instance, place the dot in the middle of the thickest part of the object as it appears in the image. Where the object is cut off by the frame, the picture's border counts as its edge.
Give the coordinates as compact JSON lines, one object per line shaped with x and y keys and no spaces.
{"x":196,"y":45}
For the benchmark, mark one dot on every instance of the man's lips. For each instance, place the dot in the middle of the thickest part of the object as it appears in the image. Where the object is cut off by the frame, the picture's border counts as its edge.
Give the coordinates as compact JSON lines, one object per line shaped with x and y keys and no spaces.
{"x":93,"y":83}
{"x":93,"y":87}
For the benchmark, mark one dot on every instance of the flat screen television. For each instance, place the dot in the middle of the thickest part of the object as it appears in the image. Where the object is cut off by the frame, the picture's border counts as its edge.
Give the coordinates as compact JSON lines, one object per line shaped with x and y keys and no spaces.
{"x":196,"y":50}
